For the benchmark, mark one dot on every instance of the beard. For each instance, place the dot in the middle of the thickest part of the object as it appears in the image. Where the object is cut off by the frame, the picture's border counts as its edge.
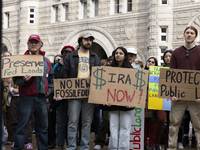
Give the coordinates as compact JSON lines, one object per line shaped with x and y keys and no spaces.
{"x":86,"y":47}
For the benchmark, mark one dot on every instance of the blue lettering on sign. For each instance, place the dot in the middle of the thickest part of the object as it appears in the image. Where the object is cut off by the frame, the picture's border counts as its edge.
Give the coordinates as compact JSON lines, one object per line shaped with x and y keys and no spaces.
{"x":154,"y":79}
{"x":22,"y":63}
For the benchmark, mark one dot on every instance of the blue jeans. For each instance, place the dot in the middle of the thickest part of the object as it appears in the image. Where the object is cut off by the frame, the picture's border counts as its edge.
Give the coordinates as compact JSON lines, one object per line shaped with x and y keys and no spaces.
{"x":62,"y":121}
{"x":75,"y":107}
{"x":29,"y":105}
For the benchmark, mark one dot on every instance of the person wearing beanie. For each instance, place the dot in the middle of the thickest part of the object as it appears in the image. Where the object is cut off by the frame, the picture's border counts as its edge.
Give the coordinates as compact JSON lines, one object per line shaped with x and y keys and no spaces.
{"x":62,"y":106}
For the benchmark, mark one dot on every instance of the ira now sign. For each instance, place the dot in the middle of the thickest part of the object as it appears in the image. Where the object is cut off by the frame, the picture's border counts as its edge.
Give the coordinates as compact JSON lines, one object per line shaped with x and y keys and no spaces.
{"x":118,"y":86}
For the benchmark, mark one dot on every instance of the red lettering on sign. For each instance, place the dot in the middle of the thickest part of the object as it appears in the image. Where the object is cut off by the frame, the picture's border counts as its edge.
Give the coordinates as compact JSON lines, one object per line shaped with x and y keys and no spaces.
{"x":128,"y":96}
{"x":117,"y":95}
{"x":138,"y":147}
{"x":140,"y":96}
{"x":137,"y":132}
{"x":113,"y":97}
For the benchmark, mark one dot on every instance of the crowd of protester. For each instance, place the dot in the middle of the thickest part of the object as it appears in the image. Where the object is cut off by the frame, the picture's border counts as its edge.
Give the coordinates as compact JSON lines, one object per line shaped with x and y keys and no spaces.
{"x":32,"y":108}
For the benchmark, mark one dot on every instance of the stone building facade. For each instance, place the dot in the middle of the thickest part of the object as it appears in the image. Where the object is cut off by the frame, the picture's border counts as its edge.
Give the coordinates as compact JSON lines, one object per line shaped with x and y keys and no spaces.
{"x":151,"y":26}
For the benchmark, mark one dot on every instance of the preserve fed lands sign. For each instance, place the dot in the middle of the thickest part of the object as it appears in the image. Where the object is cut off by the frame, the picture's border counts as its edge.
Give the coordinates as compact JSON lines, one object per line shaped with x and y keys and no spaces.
{"x":183,"y":84}
{"x":21,"y":65}
{"x":118,"y":86}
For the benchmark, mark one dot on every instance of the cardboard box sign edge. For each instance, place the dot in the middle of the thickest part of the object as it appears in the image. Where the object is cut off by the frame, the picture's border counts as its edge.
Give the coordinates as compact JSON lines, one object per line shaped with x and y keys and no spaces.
{"x":21,"y":58}
{"x":56,"y":86}
{"x":180,"y":85}
{"x":117,"y":71}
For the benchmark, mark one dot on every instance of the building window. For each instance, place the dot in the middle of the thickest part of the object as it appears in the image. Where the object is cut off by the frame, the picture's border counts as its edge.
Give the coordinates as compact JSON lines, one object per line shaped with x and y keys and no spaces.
{"x":129,"y":5}
{"x":55,"y":13}
{"x":116,"y":6}
{"x":164,"y":2}
{"x":7,"y":20}
{"x":163,"y":33}
{"x":66,"y":7}
{"x":31,"y":16}
{"x":96,"y":8}
{"x":84,"y":5}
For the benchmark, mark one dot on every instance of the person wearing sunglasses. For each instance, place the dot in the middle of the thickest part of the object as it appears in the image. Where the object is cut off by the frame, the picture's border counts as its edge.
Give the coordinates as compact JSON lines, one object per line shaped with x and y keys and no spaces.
{"x":152,"y":61}
{"x":62,"y":106}
{"x":185,"y":57}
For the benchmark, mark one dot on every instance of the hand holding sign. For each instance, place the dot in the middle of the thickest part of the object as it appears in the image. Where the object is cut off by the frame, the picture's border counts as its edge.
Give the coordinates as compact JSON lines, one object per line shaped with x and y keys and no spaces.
{"x":21,"y":65}
{"x":118,"y":86}
{"x":27,"y":77}
{"x":174,"y":99}
{"x":179,"y":84}
{"x":198,"y":100}
{"x":57,"y":98}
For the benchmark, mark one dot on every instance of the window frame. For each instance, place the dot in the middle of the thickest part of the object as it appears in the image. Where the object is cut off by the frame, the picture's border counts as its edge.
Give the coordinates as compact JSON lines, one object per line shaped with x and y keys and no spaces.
{"x":127,"y":5}
{"x":164,"y":34}
{"x":161,"y":2}
{"x":84,"y":9}
{"x":31,"y":13}
{"x":116,"y":6}
{"x":66,"y":8}
{"x":96,"y":8}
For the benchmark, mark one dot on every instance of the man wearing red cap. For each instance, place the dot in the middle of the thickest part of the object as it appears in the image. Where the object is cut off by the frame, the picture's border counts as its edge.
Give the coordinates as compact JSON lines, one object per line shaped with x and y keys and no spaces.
{"x":33,"y":92}
{"x":78,"y":64}
{"x":62,"y":106}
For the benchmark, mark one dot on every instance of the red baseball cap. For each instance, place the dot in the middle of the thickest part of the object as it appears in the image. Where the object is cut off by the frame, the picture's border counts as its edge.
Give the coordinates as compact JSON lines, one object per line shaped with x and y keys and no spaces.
{"x":34,"y":37}
{"x":68,"y":46}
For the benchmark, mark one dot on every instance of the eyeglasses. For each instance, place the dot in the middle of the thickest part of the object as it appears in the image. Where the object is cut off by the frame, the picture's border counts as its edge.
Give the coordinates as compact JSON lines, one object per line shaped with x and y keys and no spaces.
{"x":187,"y":53}
{"x":151,"y":62}
{"x":66,"y":51}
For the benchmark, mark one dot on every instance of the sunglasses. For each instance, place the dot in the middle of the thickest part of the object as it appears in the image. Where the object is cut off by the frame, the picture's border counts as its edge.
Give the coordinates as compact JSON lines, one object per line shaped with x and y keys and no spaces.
{"x":187,"y":53}
{"x":66,"y":51}
{"x":151,"y":62}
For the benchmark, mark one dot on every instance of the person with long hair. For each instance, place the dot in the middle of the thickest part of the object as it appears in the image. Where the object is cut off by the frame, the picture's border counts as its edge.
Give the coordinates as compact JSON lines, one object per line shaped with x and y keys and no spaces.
{"x":119,"y":116}
{"x":152,"y":61}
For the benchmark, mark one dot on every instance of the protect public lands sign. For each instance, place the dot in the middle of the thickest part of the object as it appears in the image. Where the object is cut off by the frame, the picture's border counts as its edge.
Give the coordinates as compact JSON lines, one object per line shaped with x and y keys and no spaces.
{"x":118,"y":86}
{"x":72,"y":88}
{"x":183,"y":84}
{"x":21,"y":65}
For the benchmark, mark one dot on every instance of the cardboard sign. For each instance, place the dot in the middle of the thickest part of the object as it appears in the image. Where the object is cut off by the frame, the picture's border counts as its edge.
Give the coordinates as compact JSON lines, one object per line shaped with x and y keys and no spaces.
{"x":137,"y":129}
{"x":183,"y":84}
{"x":72,"y":88}
{"x":21,"y":65}
{"x":118,"y":86}
{"x":153,"y":101}
{"x":5,"y":92}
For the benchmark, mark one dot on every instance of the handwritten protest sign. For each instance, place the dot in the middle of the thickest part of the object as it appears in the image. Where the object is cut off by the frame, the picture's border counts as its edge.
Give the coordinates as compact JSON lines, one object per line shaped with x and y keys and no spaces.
{"x":21,"y":65}
{"x":137,"y":129}
{"x":118,"y":86}
{"x":5,"y":92}
{"x":153,"y":101}
{"x":72,"y":88}
{"x":183,"y":84}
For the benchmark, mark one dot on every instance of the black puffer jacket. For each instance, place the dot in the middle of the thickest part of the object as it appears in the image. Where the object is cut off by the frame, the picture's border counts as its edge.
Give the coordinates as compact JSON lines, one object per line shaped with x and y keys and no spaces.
{"x":70,"y":67}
